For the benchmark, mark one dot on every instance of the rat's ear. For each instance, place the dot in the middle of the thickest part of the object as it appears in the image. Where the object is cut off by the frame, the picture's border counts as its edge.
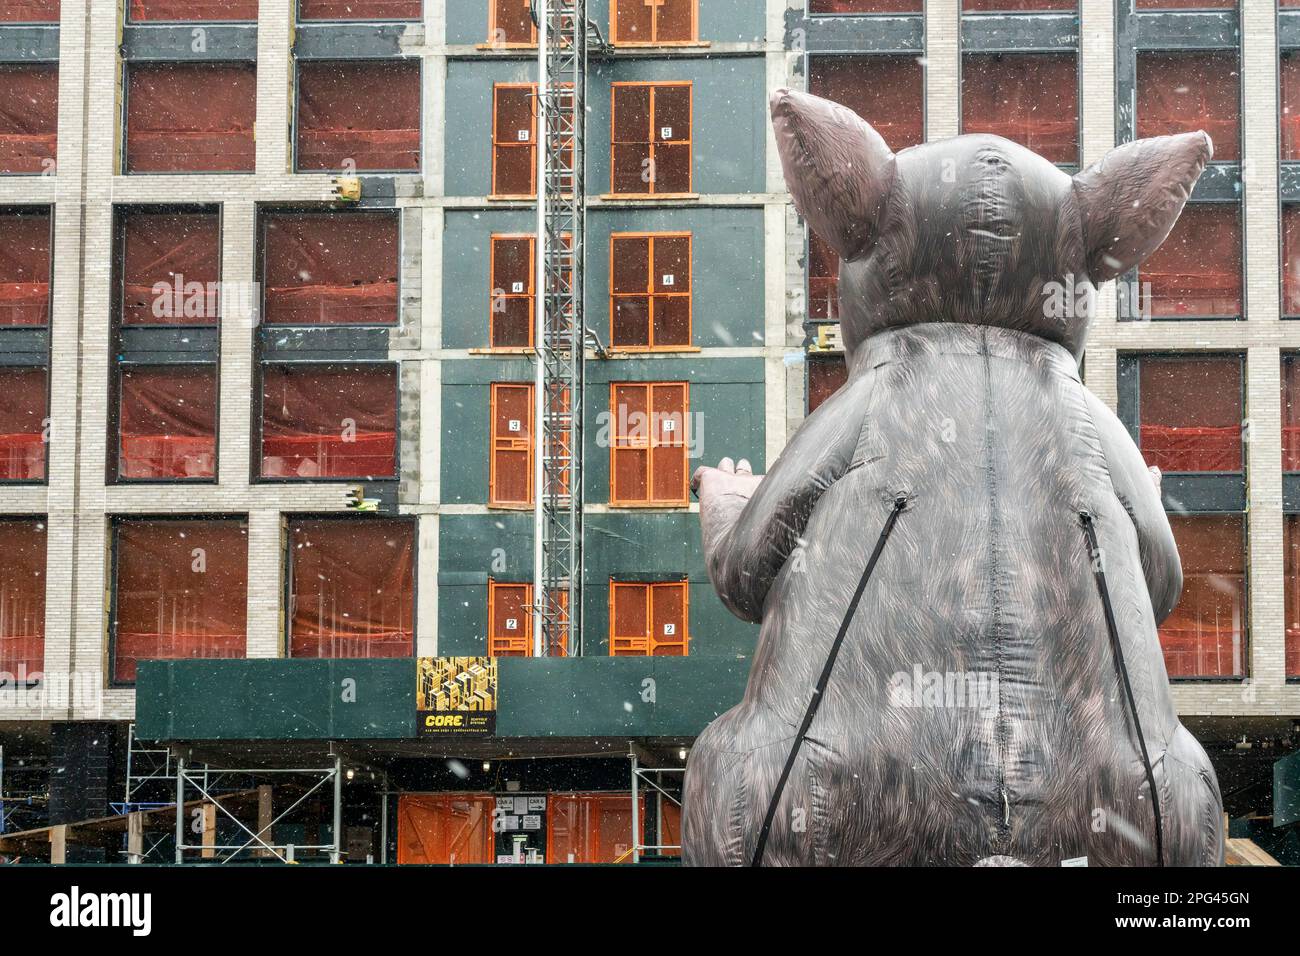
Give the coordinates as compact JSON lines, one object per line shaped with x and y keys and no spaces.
{"x":837,"y":167}
{"x":1130,"y":200}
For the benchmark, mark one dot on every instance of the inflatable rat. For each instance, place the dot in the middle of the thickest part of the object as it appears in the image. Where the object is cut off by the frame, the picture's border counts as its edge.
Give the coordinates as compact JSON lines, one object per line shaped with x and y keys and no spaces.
{"x":960,"y":559}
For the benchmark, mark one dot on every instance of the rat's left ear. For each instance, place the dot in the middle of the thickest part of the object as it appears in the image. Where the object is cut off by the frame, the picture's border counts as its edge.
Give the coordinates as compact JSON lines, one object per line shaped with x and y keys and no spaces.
{"x":837,"y":166}
{"x":1130,"y":200}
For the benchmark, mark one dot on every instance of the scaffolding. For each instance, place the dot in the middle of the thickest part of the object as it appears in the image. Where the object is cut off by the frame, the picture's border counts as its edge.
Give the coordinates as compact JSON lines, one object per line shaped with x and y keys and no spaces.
{"x":651,"y":778}
{"x":562,"y":45}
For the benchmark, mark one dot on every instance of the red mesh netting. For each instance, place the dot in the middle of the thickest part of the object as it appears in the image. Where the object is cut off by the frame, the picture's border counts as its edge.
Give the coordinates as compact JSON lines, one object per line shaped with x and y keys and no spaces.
{"x":1291,"y":530}
{"x":359,"y":10}
{"x":362,"y":112}
{"x":182,"y":592}
{"x":29,"y":117}
{"x":171,"y":263}
{"x":823,"y":279}
{"x":24,"y":268}
{"x":445,"y":828}
{"x":1183,"y":92}
{"x":1197,"y":271}
{"x":1291,"y":260}
{"x":590,"y":827}
{"x":864,"y":6}
{"x":23,"y":403}
{"x":22,"y":597}
{"x":331,"y":268}
{"x":29,"y":11}
{"x":1289,"y":93}
{"x":190,"y":118}
{"x":1188,"y":4}
{"x":1191,"y":413}
{"x":886,"y":91}
{"x":1290,"y":414}
{"x":1031,"y":99}
{"x":329,"y":421}
{"x":353,"y":588}
{"x":1204,"y":636}
{"x":142,"y":11}
{"x":825,"y":376}
{"x":1015,"y":6}
{"x":169,"y":422}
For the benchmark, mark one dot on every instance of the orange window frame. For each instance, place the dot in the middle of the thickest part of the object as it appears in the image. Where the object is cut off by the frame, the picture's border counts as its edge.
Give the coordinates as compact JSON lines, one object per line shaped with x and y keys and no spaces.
{"x":651,"y":442}
{"x":502,"y":142}
{"x":507,"y":443}
{"x":518,"y":642}
{"x":496,"y":291}
{"x":494,"y":7}
{"x":654,"y":40}
{"x":653,"y":640}
{"x":651,"y":291}
{"x":652,"y":141}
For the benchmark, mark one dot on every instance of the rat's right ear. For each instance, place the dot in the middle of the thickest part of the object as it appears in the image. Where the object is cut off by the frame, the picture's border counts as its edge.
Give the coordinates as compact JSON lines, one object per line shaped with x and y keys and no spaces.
{"x":1130,"y":200}
{"x":837,"y":167}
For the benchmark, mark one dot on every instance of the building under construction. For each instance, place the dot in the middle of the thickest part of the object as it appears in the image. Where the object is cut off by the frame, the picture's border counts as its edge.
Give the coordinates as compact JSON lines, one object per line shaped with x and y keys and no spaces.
{"x":355,"y":356}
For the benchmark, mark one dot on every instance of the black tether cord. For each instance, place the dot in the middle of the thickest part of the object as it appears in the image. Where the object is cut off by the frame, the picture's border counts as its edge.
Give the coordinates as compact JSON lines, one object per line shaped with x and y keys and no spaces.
{"x":899,"y":503}
{"x":1100,"y":574}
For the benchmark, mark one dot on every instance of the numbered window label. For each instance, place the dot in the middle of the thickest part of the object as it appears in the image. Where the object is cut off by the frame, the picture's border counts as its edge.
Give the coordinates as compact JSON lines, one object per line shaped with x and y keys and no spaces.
{"x":665,"y":132}
{"x":523,"y":135}
{"x":512,"y":624}
{"x":670,"y":425}
{"x":670,"y":630}
{"x":516,"y":287}
{"x":668,"y":279}
{"x":515,"y":425}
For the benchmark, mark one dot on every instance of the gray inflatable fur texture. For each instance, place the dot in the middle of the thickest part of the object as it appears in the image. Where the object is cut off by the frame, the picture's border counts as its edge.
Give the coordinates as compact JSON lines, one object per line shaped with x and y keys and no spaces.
{"x":976,"y":711}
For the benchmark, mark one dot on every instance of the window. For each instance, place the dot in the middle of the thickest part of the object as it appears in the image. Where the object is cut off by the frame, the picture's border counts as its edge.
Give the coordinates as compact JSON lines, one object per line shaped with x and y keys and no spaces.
{"x":1292,"y":572}
{"x":1016,"y":6}
{"x":886,"y":91}
{"x":832,"y":7}
{"x":510,"y":23}
{"x":213,"y":11}
{"x":329,"y":421}
{"x":29,"y":122}
{"x":170,"y":268}
{"x":654,"y":22}
{"x":1290,"y":413}
{"x":330,"y":268}
{"x":167,"y":423}
{"x":510,"y":621}
{"x":1205,"y":634}
{"x":648,"y":620}
{"x":591,"y":827}
{"x":352,"y":587}
{"x":650,"y":290}
{"x":514,"y":136}
{"x":190,"y":118}
{"x":1190,"y":410}
{"x":1289,"y":88}
{"x":510,"y":477}
{"x":180,"y":591}
{"x":1196,"y":272}
{"x":1290,"y":261}
{"x":446,"y":828}
{"x":1189,"y":4}
{"x":648,"y":451}
{"x":1183,"y":92}
{"x":825,"y":376}
{"x":30,"y":11}
{"x":1029,"y":98}
{"x":358,"y":115}
{"x":511,"y":304}
{"x":651,"y":138}
{"x":23,"y":410}
{"x":22,"y":599}
{"x":359,"y":10}
{"x":24,"y":267}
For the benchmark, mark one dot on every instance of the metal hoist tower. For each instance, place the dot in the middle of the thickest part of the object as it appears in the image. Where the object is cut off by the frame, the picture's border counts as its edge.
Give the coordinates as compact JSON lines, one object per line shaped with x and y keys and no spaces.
{"x":558,"y":323}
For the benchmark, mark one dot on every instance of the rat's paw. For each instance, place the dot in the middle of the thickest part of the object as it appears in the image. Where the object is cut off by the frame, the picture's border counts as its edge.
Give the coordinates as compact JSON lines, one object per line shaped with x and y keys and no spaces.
{"x":729,"y":477}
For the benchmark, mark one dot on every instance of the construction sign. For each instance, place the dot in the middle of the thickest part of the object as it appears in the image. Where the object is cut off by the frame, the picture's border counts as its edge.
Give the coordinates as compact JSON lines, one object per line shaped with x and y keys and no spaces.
{"x":456,"y":695}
